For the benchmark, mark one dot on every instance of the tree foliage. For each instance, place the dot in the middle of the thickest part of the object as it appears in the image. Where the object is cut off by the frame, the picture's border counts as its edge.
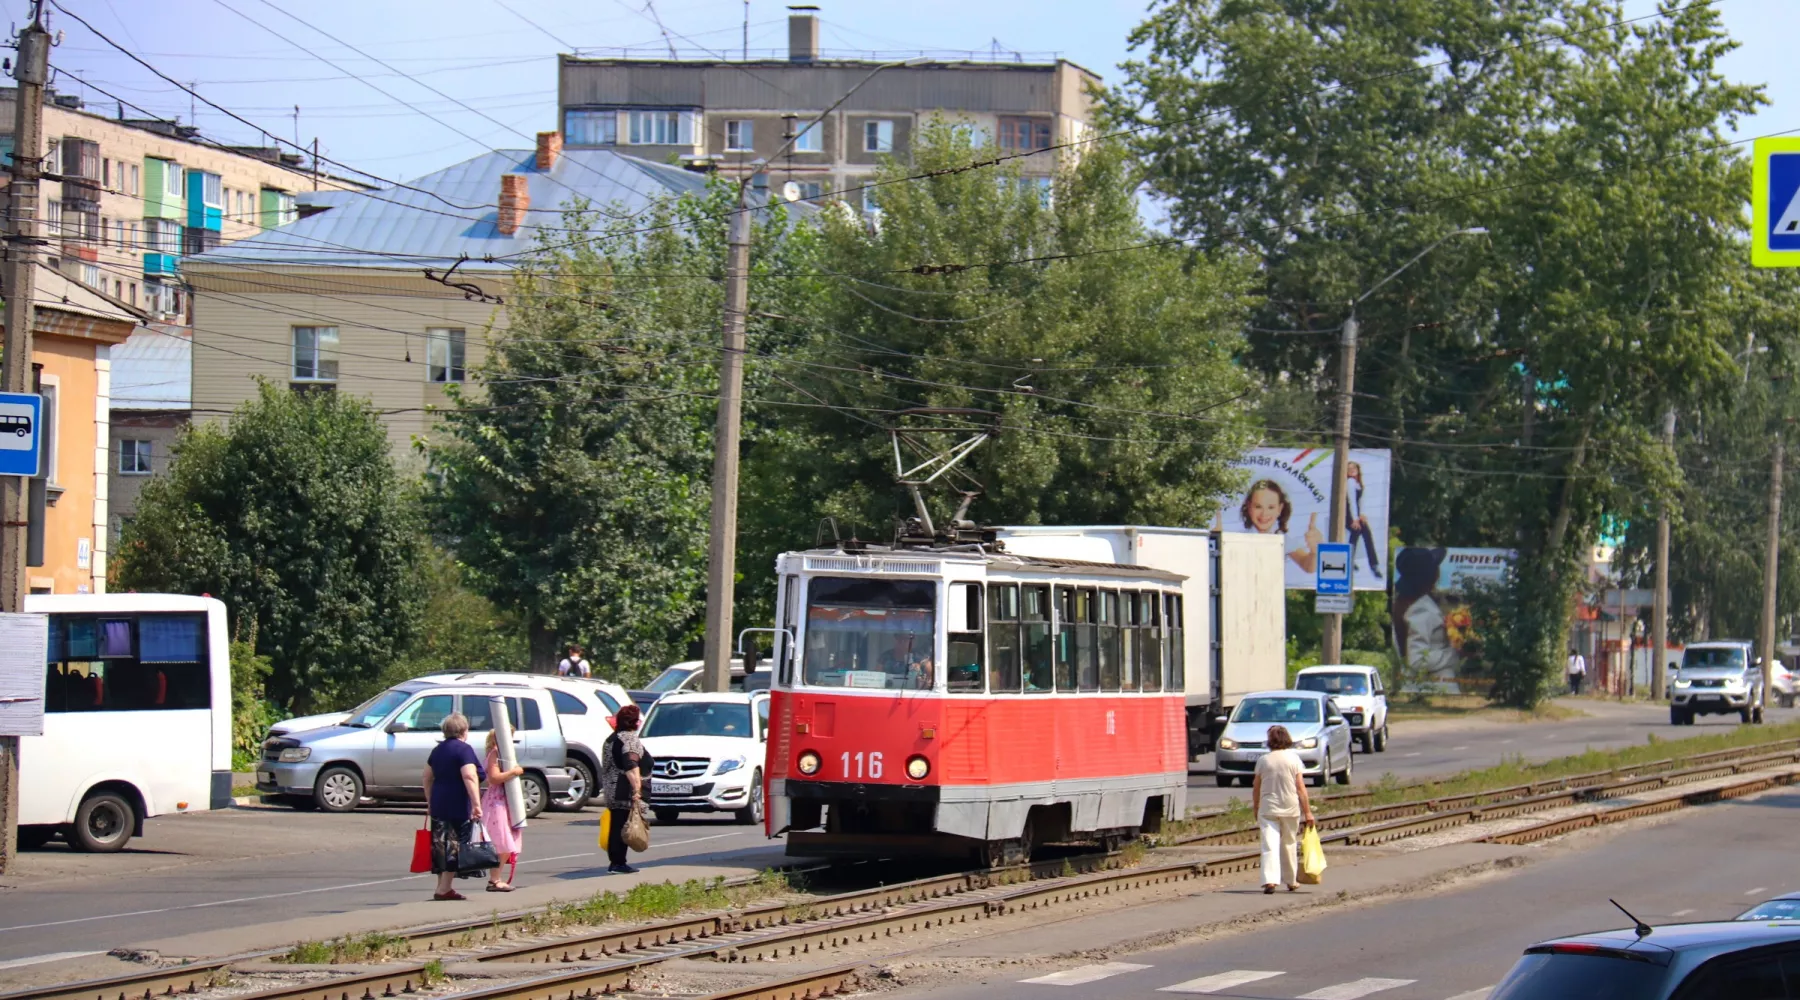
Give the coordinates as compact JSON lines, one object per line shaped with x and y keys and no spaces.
{"x":292,"y":514}
{"x":1517,"y":378}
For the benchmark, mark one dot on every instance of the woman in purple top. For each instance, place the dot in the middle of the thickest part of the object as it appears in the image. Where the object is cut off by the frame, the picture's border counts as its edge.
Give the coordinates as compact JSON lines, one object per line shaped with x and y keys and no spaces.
{"x":451,"y":779}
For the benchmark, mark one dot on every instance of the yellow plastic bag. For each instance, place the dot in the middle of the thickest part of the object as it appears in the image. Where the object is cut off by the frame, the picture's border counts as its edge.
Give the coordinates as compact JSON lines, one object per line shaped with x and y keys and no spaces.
{"x":1312,"y":857}
{"x":605,"y":826}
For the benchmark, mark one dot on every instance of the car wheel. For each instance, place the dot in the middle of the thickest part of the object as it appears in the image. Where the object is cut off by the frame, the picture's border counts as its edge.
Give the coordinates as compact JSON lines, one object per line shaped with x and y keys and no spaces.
{"x":581,"y":786}
{"x":1368,"y":742}
{"x":753,"y":813}
{"x":1343,"y":777}
{"x":1324,"y":775}
{"x":667,"y":815}
{"x":1381,"y":738}
{"x":1247,"y":780}
{"x":537,"y":793}
{"x":1756,"y":715}
{"x":103,"y":823}
{"x":32,"y":838}
{"x":1224,"y":780}
{"x":338,"y":789}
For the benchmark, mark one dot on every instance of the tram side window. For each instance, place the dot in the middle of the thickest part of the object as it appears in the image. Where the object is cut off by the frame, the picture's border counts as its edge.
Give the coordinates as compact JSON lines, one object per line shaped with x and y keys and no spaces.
{"x":1003,"y":633}
{"x":128,"y":663}
{"x":790,"y":621}
{"x":1177,"y":656}
{"x":1131,"y":623}
{"x":1150,"y":643}
{"x":1108,"y":648}
{"x":870,"y":633}
{"x":1087,"y":664}
{"x":1034,"y":632}
{"x":963,"y":623}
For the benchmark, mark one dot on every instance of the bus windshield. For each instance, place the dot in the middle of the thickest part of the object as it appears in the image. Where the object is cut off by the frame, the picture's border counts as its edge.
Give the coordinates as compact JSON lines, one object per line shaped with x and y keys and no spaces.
{"x":863,"y":633}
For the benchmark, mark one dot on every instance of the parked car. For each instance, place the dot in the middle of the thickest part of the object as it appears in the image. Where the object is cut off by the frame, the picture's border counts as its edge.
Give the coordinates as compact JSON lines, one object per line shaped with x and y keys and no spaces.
{"x":1784,"y":684}
{"x":1717,"y":678}
{"x":707,"y":752}
{"x":1359,"y":692}
{"x":1321,"y":735}
{"x":1702,"y":961}
{"x":1780,"y":908}
{"x":379,"y":752}
{"x":684,"y":676}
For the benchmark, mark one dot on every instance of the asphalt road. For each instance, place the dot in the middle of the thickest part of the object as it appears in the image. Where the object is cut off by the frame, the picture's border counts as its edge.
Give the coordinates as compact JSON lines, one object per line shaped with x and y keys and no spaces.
{"x":1423,"y":748}
{"x":1710,"y":863}
{"x":232,"y":868}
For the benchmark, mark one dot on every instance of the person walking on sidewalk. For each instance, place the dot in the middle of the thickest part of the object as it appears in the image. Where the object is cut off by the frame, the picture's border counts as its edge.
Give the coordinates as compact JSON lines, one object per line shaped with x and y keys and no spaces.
{"x":497,"y":818}
{"x":452,"y":801}
{"x":1577,"y":670}
{"x":624,"y":785}
{"x":1278,"y":804}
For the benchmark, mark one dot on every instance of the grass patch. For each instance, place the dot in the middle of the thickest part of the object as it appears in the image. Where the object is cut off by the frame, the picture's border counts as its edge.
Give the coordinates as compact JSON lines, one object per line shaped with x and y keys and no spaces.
{"x":432,"y":973}
{"x":375,"y":946}
{"x":656,"y":900}
{"x":1474,"y":706}
{"x":240,"y":791}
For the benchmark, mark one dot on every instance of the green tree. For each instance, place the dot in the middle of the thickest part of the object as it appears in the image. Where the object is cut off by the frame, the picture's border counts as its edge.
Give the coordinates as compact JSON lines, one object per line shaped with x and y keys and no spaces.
{"x":292,"y":514}
{"x":1517,"y":379}
{"x":458,"y":628}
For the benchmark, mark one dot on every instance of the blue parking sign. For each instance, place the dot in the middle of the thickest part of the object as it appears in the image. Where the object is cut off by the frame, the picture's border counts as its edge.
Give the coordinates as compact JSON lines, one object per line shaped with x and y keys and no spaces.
{"x":1332,"y":572}
{"x":20,"y":416}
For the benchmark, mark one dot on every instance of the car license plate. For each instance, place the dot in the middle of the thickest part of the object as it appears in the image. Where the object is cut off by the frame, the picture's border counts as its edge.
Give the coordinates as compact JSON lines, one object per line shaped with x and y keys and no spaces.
{"x":1709,"y":697}
{"x":264,"y":778}
{"x":672,"y":788}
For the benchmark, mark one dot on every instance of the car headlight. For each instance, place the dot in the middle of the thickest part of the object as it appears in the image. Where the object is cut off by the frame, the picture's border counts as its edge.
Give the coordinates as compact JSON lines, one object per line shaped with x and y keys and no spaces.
{"x":1225,"y":744}
{"x":808,"y":763}
{"x":917,"y":768}
{"x":1680,"y":682}
{"x":1310,"y":743}
{"x":294,"y":755}
{"x":728,"y":765}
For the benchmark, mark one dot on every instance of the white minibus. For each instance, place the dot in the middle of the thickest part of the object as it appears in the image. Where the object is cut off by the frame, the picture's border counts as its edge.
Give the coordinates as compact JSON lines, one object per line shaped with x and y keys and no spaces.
{"x":137,"y":717}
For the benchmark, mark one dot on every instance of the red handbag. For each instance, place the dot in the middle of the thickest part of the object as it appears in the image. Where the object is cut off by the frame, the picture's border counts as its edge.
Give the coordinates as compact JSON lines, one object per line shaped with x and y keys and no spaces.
{"x":421,"y":859}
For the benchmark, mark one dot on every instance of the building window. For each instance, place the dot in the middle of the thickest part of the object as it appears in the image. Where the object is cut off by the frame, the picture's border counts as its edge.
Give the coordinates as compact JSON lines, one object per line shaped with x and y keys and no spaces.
{"x":313,"y":347}
{"x":811,"y":138}
{"x":133,"y":288}
{"x":212,"y":191}
{"x":162,"y":236}
{"x":53,"y":158}
{"x":53,"y":218}
{"x":134,"y":178}
{"x":975,"y":135}
{"x":279,"y":208}
{"x":196,"y":241}
{"x":661,"y":128}
{"x":106,"y":174}
{"x":444,"y":355}
{"x":1024,"y":135}
{"x":90,"y":276}
{"x":591,"y":128}
{"x":811,"y":190}
{"x":134,"y":457}
{"x":878,"y":137}
{"x":172,"y":178}
{"x":740,"y":136}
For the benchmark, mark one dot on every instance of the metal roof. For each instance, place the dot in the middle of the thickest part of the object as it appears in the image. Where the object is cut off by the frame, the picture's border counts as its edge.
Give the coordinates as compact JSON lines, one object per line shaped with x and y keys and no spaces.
{"x":153,"y":369}
{"x":450,"y":214}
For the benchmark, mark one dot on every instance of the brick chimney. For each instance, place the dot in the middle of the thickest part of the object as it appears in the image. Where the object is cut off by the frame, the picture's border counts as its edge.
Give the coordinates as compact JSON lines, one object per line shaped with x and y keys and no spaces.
{"x":803,"y":33}
{"x":549,"y":148}
{"x":515,"y":199}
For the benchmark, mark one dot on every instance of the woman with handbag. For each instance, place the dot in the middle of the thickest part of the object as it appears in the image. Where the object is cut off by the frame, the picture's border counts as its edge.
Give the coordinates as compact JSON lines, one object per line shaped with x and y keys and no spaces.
{"x":623,"y":784}
{"x":497,"y":819}
{"x":452,"y":802}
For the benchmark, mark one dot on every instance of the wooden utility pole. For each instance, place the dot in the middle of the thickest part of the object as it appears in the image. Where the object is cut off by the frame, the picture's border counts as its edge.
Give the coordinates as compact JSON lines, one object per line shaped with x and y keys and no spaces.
{"x":1659,"y":607}
{"x":17,"y":280}
{"x":1771,"y":566}
{"x":1332,"y":643}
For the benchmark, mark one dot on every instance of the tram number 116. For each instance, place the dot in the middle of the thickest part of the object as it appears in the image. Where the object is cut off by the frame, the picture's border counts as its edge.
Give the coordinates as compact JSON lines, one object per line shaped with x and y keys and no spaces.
{"x":873,"y":763}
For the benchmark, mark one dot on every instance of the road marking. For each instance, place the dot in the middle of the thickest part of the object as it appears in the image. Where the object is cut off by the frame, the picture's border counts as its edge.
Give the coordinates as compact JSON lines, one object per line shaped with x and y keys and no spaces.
{"x":1221,"y":981}
{"x":1354,"y":989}
{"x":1085,"y":974}
{"x":1752,"y":892}
{"x":1480,"y":994}
{"x":1681,"y":913}
{"x":1454,"y":749}
{"x":1415,"y":754}
{"x":55,"y":956}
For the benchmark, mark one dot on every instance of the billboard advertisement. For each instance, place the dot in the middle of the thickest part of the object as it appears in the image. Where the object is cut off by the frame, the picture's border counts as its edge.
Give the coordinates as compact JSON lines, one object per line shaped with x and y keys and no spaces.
{"x":1433,"y":628}
{"x":1287,"y":491}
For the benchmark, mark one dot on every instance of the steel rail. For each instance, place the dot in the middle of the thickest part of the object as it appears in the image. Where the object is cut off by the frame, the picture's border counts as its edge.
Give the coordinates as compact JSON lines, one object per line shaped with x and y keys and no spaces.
{"x":168,"y":982}
{"x":1619,"y":814}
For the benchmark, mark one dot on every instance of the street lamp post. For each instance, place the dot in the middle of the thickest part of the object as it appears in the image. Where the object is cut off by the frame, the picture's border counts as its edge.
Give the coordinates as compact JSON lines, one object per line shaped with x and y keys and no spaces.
{"x":1333,"y":644}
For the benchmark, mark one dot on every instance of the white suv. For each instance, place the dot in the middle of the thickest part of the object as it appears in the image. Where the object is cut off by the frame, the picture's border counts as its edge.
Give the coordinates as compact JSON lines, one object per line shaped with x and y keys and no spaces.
{"x":586,"y":707}
{"x":707,"y":753}
{"x":1359,"y":694}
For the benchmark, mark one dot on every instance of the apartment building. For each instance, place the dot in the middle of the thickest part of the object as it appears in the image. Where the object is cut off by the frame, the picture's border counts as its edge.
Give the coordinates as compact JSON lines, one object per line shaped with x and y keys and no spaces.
{"x":736,"y":115}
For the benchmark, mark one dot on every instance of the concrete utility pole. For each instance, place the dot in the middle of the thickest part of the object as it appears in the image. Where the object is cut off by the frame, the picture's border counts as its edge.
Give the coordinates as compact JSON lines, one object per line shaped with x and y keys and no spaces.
{"x":1771,"y":565}
{"x":1659,"y":607}
{"x":721,"y":549}
{"x":17,"y":281}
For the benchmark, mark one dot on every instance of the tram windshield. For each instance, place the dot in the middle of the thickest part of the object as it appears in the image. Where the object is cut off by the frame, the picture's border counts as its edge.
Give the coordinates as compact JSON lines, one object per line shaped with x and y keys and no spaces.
{"x":863,"y":633}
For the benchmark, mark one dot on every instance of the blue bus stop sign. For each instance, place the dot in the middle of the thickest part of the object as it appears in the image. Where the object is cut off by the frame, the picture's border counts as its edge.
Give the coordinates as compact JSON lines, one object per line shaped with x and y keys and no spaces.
{"x":20,"y":417}
{"x":1331,"y":574}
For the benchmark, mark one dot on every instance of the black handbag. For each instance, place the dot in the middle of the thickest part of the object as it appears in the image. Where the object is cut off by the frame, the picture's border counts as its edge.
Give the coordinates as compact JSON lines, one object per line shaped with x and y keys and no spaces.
{"x":475,"y":855}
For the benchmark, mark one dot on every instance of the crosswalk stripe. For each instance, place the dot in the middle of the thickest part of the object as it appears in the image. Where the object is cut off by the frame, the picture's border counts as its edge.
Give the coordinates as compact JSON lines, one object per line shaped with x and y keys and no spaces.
{"x":1221,"y":981}
{"x":1085,"y":974}
{"x":1480,"y":994}
{"x":1354,"y":989}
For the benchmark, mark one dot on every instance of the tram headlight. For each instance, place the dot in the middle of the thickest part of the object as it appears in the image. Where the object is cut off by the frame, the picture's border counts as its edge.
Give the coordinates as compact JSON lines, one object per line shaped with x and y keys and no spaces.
{"x":294,"y":755}
{"x":808,"y":763}
{"x":917,"y":768}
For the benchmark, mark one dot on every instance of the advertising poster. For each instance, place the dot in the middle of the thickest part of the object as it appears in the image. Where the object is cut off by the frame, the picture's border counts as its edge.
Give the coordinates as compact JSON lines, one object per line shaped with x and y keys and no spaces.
{"x":1288,"y":492}
{"x":1433,"y":628}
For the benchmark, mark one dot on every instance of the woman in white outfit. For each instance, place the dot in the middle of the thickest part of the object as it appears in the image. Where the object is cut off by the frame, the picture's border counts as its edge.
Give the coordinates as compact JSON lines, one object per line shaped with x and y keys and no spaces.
{"x":1279,"y":804}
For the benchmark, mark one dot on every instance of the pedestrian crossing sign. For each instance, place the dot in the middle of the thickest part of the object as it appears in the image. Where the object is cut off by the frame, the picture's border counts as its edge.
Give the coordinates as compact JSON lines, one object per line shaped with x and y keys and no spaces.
{"x":1775,"y":203}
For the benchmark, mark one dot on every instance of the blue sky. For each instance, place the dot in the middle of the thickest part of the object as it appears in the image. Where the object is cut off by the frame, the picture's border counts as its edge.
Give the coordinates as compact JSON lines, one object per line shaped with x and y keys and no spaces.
{"x":499,"y":57}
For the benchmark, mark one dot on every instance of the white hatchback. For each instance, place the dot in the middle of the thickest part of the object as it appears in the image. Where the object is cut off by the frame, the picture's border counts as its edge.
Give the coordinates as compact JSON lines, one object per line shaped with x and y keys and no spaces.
{"x":707,"y":753}
{"x":586,"y":707}
{"x":1359,"y":694}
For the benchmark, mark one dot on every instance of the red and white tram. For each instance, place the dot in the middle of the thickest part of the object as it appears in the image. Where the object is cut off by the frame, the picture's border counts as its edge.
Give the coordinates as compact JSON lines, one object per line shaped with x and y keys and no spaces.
{"x":961,"y":700}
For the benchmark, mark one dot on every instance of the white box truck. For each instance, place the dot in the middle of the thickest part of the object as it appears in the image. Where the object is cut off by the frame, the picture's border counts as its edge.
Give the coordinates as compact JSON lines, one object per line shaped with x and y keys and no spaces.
{"x":1235,"y":635}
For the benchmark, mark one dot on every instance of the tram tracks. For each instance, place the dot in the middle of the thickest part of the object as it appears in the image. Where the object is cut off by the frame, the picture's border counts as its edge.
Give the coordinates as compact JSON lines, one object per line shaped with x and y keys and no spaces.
{"x":607,"y":961}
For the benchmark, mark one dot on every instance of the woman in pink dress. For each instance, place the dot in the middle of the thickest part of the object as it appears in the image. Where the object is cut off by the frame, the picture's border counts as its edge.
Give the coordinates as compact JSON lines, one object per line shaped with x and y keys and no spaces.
{"x":496,"y":819}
